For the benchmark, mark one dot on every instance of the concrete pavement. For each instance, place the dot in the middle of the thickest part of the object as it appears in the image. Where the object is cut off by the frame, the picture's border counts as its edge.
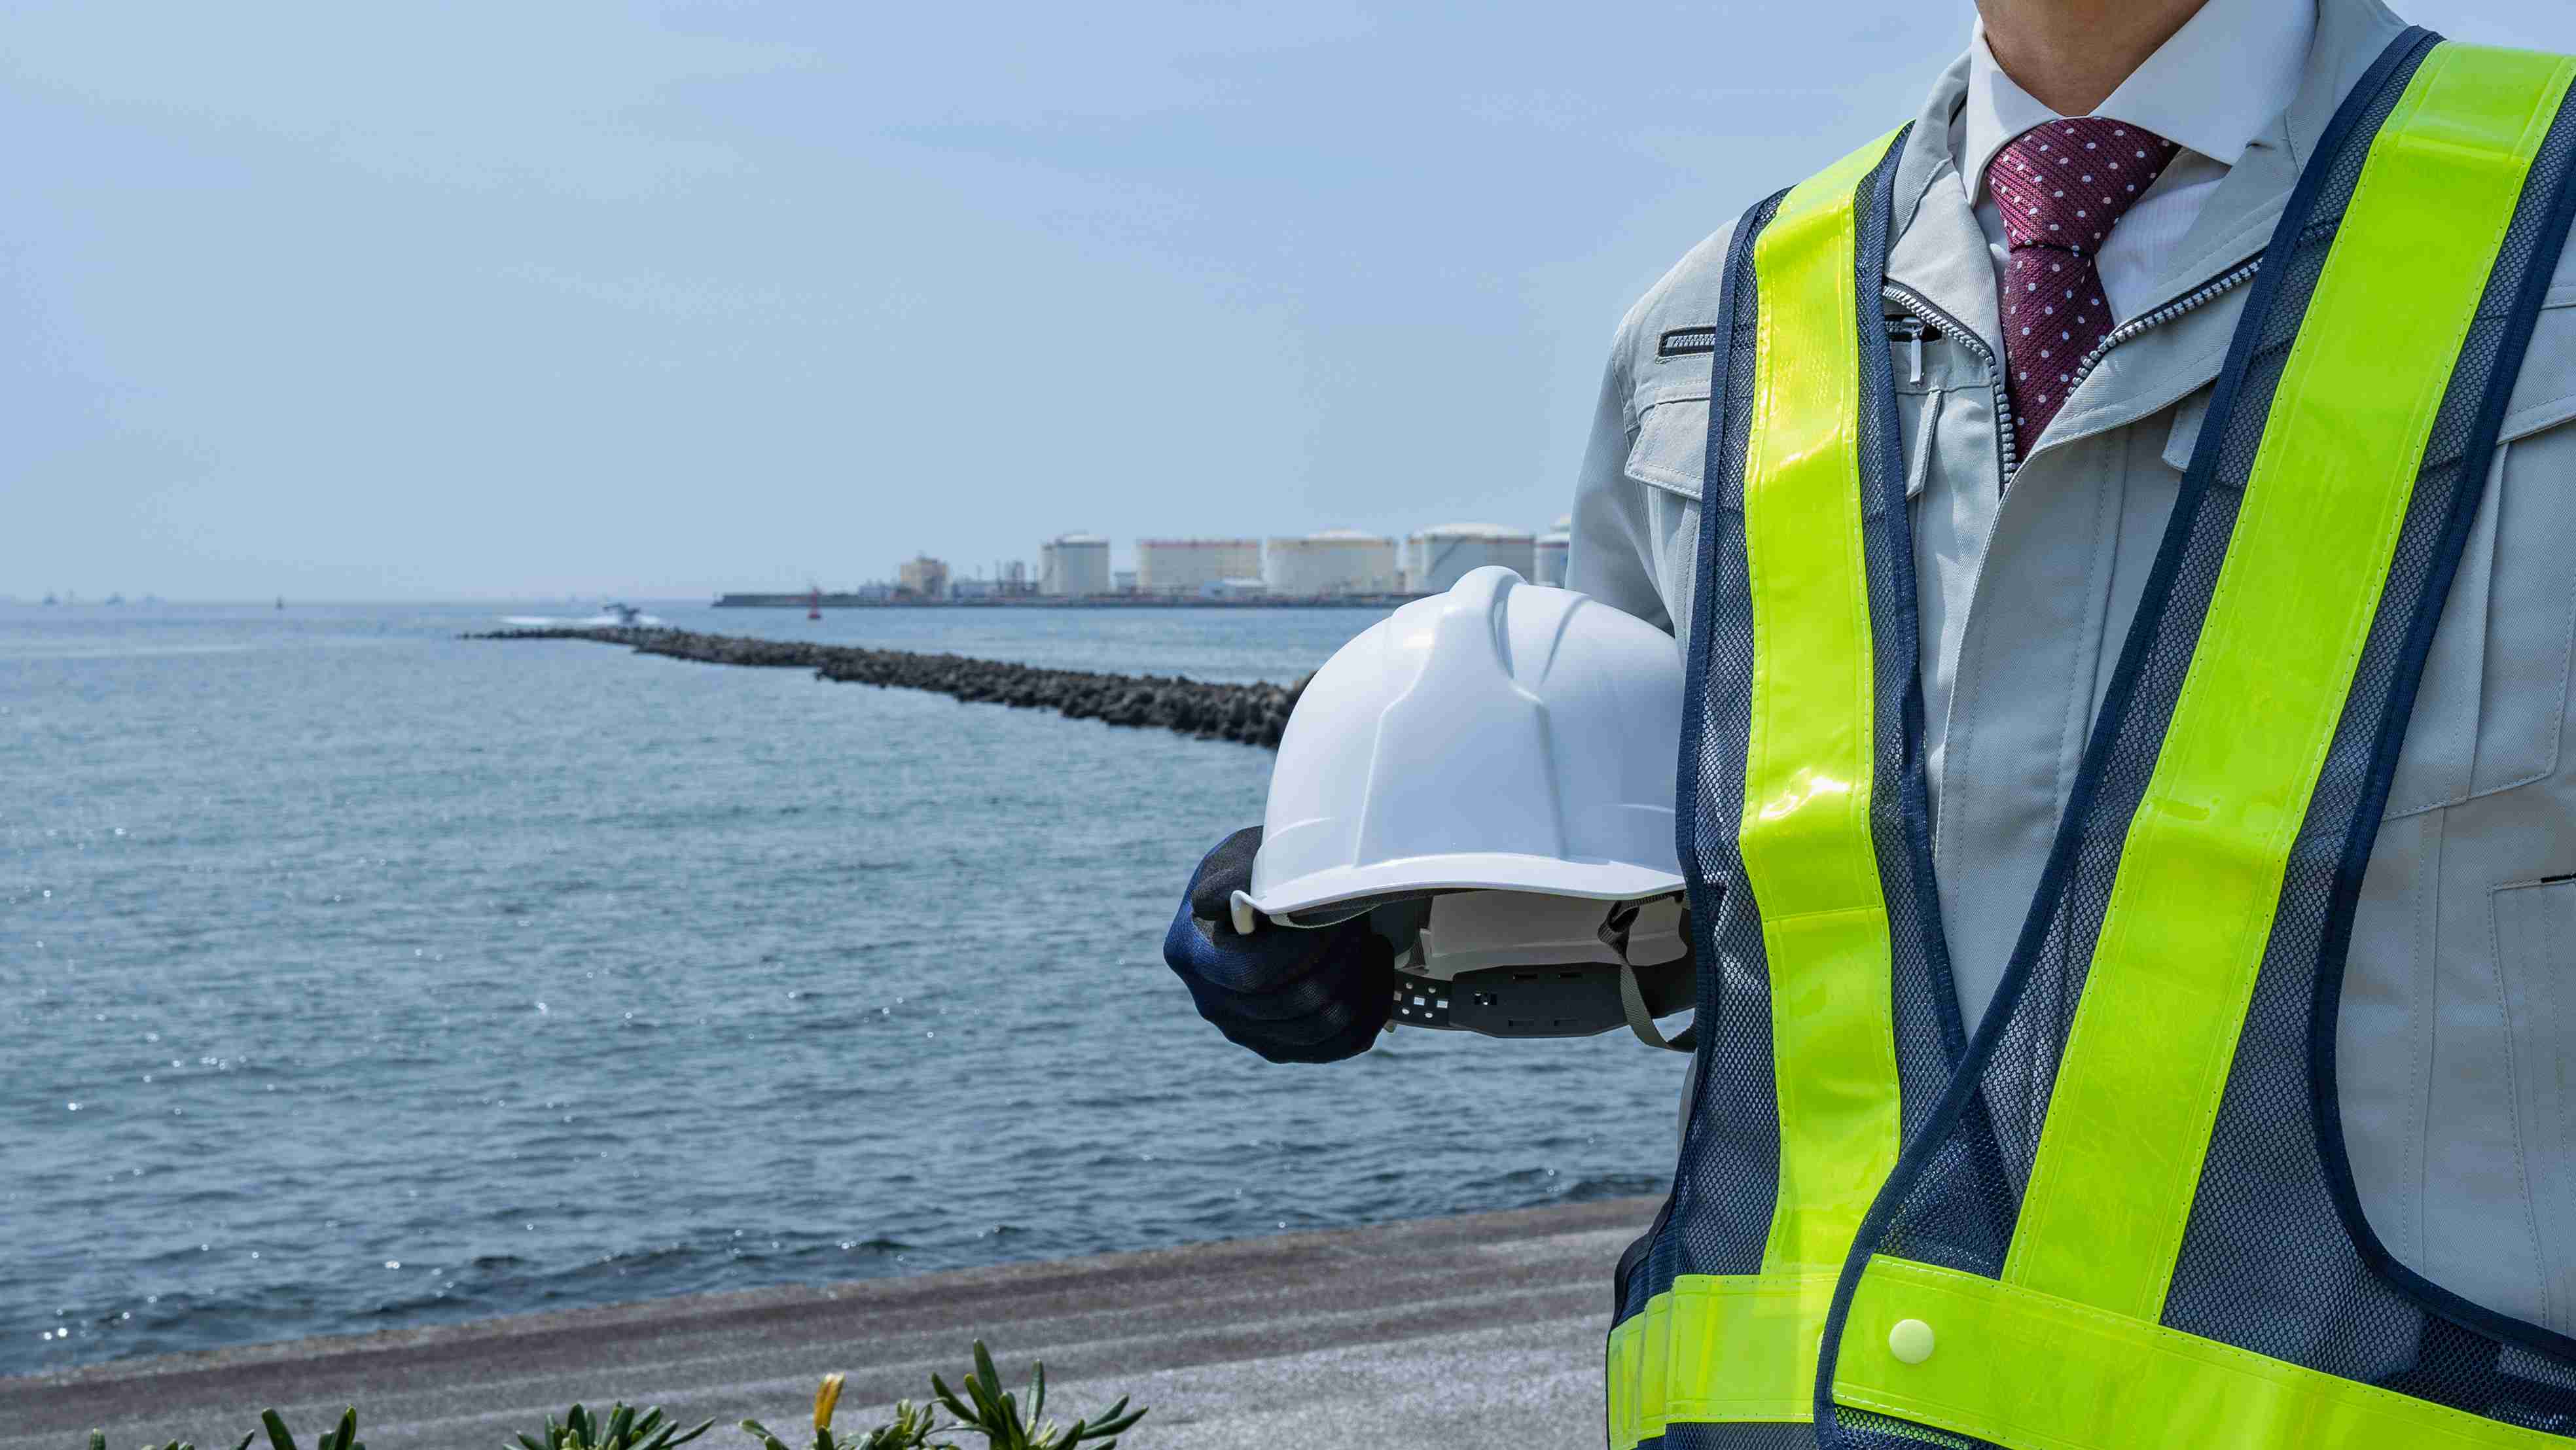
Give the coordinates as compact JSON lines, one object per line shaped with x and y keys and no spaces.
{"x":1477,"y":1331}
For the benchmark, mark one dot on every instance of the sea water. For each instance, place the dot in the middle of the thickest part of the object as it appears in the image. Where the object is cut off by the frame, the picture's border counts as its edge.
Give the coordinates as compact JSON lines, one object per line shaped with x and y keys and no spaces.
{"x":355,"y":976}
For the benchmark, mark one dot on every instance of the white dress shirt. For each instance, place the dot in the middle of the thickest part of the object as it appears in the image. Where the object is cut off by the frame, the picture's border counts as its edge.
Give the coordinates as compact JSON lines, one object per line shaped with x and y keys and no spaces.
{"x":2211,"y":90}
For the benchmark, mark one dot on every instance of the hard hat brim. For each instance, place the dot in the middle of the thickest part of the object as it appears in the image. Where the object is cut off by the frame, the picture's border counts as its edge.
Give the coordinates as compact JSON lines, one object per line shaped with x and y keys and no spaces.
{"x":1468,"y":871}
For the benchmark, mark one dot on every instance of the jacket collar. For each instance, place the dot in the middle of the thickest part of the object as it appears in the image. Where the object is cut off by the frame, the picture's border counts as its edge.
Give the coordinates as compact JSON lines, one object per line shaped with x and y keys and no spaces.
{"x":1941,"y":254}
{"x":2237,"y":221}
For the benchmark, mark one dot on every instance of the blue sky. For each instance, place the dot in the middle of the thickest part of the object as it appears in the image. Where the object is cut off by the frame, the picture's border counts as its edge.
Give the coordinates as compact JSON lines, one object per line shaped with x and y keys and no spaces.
{"x":477,"y":299}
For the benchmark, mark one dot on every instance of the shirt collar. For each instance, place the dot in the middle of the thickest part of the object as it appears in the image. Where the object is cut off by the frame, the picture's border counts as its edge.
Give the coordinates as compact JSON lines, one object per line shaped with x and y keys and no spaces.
{"x":2212,"y":88}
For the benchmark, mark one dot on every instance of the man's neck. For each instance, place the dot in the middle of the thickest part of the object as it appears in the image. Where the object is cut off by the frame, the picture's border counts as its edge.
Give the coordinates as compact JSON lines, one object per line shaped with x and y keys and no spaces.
{"x":2072,"y":54}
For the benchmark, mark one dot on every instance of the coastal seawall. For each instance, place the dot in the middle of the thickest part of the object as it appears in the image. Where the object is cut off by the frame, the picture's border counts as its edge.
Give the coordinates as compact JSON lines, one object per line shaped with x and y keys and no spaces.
{"x":1454,"y":1332}
{"x":1247,"y":714}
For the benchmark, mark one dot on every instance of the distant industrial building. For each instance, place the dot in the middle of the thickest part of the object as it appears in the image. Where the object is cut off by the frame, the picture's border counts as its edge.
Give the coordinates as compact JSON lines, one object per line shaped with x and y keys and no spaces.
{"x":1440,"y":555}
{"x":1336,"y":561}
{"x":1123,"y":580}
{"x":1552,"y":548}
{"x":1072,"y":565}
{"x":923,"y":577}
{"x":1188,"y":566}
{"x":1010,"y":580}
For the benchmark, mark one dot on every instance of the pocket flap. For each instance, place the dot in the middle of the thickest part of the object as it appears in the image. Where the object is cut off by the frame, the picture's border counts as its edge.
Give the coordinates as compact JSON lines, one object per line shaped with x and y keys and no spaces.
{"x":1671,"y":448}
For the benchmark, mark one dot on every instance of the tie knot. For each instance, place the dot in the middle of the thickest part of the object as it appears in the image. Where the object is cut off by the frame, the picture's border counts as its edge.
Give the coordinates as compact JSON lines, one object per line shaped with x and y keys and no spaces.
{"x":2066,"y":183}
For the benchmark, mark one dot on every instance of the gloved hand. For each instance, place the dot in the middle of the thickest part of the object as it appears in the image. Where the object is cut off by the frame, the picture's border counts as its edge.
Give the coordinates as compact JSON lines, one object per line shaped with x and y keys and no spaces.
{"x":1288,"y":993}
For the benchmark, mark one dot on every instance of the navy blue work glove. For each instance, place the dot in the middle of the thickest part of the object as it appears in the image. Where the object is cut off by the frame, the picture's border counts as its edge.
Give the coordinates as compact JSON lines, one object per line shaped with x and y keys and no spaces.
{"x":1290,"y":994}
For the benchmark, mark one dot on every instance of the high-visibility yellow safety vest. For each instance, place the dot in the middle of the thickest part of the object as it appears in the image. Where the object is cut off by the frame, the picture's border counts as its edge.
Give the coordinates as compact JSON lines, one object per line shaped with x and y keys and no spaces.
{"x":2120,"y":1216}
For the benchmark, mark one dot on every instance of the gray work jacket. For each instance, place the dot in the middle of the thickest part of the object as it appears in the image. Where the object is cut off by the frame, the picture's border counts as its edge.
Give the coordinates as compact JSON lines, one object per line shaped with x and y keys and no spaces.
{"x":2457,"y":1043}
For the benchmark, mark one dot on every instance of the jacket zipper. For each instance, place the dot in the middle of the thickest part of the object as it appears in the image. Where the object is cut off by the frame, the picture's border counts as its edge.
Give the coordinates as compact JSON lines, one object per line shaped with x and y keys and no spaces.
{"x":1912,"y":329}
{"x":2192,"y":301}
{"x":1924,"y":314}
{"x":2007,"y":442}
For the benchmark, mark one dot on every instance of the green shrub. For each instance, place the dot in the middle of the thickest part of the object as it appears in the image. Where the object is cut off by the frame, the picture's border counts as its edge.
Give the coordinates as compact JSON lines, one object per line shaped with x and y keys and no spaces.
{"x":985,"y":1409}
{"x":995,"y":1414}
{"x":622,"y":1428}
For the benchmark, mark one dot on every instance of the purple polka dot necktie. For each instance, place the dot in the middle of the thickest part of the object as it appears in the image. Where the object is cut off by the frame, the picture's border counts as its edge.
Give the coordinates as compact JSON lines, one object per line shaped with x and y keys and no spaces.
{"x":2061,"y":187}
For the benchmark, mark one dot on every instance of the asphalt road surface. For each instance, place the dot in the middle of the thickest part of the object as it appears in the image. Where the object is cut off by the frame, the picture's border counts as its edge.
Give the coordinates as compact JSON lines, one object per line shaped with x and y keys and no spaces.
{"x":1479,"y":1331}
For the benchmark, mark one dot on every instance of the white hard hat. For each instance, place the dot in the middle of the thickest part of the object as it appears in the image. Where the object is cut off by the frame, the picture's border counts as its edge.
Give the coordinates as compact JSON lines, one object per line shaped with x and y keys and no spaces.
{"x":1489,"y":774}
{"x":1503,"y":736}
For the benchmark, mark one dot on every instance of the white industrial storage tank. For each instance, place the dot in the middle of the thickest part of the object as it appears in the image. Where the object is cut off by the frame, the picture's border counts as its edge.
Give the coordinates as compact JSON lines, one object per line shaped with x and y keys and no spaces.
{"x":1552,"y":548}
{"x":1441,"y":555}
{"x":1072,"y":565}
{"x":1335,"y":561}
{"x":1190,"y":566}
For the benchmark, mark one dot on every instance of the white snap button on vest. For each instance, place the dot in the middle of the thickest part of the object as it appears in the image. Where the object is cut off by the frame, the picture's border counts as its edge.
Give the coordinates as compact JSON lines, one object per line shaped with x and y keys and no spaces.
{"x":1910,"y":1341}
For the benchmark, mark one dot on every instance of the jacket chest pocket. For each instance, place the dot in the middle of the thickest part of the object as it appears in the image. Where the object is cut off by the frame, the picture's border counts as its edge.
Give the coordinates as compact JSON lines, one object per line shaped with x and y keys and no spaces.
{"x":1669,"y":448}
{"x":1667,"y":454}
{"x":2493,"y":695}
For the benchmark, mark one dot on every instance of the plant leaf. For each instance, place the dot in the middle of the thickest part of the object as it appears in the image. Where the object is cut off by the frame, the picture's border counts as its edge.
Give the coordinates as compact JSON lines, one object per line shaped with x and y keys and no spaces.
{"x":988,"y":1410}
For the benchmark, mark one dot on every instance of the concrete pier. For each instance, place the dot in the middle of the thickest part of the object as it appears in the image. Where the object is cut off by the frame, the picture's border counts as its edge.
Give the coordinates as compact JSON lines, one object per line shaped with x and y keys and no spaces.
{"x":1475,"y":1331}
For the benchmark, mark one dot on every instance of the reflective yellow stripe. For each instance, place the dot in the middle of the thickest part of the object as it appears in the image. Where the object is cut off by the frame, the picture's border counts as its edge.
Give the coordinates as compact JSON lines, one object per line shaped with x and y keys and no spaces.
{"x":1718,"y":1349}
{"x":1741,"y":1348}
{"x":1805,"y":831}
{"x":2200,"y":876}
{"x":2035,"y":1372}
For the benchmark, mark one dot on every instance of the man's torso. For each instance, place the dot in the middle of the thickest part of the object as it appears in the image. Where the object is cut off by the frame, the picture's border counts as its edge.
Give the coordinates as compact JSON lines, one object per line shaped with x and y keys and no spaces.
{"x":2457,"y":1034}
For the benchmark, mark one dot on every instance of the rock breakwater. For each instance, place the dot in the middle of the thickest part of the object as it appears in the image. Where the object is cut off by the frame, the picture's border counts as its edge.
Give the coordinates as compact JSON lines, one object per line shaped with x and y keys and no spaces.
{"x":1250,"y":714}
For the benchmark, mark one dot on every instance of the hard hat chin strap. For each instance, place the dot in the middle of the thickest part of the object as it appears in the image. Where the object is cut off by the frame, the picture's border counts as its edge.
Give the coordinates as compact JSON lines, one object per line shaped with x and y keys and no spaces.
{"x":1632,"y":997}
